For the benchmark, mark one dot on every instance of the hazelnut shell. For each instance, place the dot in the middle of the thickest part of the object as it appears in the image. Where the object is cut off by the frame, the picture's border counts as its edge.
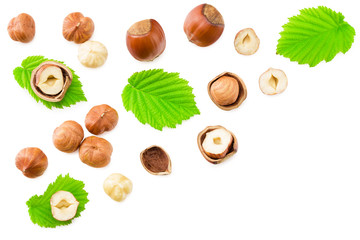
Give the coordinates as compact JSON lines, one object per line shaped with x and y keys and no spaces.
{"x":95,"y":152}
{"x":242,"y":91}
{"x":156,"y":154}
{"x":68,"y":136}
{"x":32,"y":162}
{"x":78,"y":28}
{"x":232,"y":150}
{"x":101,"y":118}
{"x":22,"y":28}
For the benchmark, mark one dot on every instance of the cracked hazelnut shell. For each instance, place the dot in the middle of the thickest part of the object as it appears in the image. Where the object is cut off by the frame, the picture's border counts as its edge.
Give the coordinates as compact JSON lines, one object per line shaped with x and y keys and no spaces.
{"x":227,"y":91}
{"x":95,"y":152}
{"x":101,"y":118}
{"x":215,"y":159}
{"x":68,"y":136}
{"x":78,"y":28}
{"x":156,"y":161}
{"x":22,"y":28}
{"x":32,"y":162}
{"x":42,"y":69}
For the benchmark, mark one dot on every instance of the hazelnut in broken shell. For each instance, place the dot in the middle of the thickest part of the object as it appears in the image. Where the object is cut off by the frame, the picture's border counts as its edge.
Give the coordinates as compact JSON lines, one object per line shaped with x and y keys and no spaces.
{"x":95,"y":152}
{"x":32,"y":162}
{"x":227,"y":91}
{"x":217,"y":144}
{"x":273,"y":81}
{"x":246,"y":42}
{"x":68,"y":136}
{"x":92,"y":54}
{"x":22,"y":28}
{"x":117,"y":186}
{"x":63,"y":205}
{"x":101,"y":118}
{"x":156,"y":161}
{"x":50,"y":81}
{"x":77,"y":28}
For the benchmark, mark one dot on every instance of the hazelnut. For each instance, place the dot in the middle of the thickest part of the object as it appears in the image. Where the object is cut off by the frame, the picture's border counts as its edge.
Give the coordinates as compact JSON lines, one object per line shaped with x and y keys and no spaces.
{"x":227,"y":91}
{"x":95,"y":152}
{"x":77,"y":28}
{"x":22,"y":28}
{"x":63,"y":205}
{"x":101,"y":118}
{"x":217,"y":144}
{"x":273,"y":81}
{"x":145,"y":40}
{"x":204,"y":25}
{"x":32,"y":162}
{"x":92,"y":54}
{"x":156,"y":161}
{"x":117,"y":186}
{"x":246,"y":42}
{"x":68,"y":136}
{"x":50,"y":81}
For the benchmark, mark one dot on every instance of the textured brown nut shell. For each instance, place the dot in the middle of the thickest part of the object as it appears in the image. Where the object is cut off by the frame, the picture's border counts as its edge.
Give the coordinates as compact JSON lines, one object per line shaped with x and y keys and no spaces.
{"x":22,"y":28}
{"x":145,"y":40}
{"x":95,"y":152}
{"x":67,"y":82}
{"x":204,"y":25}
{"x":78,"y":28}
{"x":156,"y":161}
{"x":242,"y":91}
{"x":101,"y":118}
{"x":32,"y":162}
{"x":232,"y":150}
{"x":68,"y":136}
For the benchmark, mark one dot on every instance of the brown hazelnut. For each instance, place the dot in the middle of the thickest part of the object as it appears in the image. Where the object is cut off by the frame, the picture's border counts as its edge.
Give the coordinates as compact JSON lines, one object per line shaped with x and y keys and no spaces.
{"x":22,"y":28}
{"x":145,"y":40}
{"x":32,"y":162}
{"x":227,"y":91}
{"x":95,"y":152}
{"x":50,"y":81}
{"x":217,"y":144}
{"x":204,"y":25}
{"x":101,"y":118}
{"x":68,"y":136}
{"x":156,"y":161}
{"x":77,"y":28}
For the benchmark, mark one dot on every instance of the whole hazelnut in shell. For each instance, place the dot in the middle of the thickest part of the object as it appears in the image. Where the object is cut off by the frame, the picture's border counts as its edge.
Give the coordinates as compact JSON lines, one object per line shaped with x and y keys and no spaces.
{"x":68,"y":136}
{"x":32,"y":162}
{"x":77,"y":28}
{"x":101,"y":118}
{"x":22,"y":28}
{"x":95,"y":152}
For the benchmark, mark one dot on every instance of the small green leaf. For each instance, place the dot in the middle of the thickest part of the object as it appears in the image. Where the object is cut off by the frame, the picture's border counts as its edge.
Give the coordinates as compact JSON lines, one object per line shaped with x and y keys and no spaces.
{"x":316,"y":34}
{"x":159,"y":98}
{"x":39,"y":206}
{"x":22,"y":75}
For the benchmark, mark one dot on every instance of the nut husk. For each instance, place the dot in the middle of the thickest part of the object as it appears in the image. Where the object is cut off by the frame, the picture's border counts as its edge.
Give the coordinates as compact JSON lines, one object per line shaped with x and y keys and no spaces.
{"x":156,"y":161}
{"x":242,"y":93}
{"x":231,"y":151}
{"x":67,"y":75}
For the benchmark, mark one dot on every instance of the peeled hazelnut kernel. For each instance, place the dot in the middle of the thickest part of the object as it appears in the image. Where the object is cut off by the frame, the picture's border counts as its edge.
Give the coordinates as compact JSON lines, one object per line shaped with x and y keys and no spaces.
{"x":145,"y":40}
{"x":68,"y":136}
{"x":217,"y":144}
{"x":101,"y":118}
{"x":273,"y":81}
{"x":77,"y":28}
{"x":156,"y":161}
{"x":32,"y":162}
{"x":227,"y":91}
{"x":63,"y":205}
{"x":117,"y":186}
{"x":22,"y":28}
{"x":50,"y":81}
{"x":95,"y":152}
{"x":246,"y":42}
{"x":204,"y":25}
{"x":92,"y":54}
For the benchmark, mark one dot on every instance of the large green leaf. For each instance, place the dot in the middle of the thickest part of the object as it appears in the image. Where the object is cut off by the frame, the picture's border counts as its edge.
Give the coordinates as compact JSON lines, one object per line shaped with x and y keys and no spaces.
{"x":159,"y":98}
{"x":316,"y":34}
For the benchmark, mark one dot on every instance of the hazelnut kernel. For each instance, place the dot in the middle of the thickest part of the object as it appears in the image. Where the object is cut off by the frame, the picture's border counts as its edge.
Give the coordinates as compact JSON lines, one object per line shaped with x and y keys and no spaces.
{"x":225,"y":90}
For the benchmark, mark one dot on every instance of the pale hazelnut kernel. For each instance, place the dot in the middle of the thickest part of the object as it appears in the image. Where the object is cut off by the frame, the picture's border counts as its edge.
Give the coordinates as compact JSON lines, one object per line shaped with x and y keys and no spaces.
{"x":246,"y":42}
{"x":117,"y":186}
{"x":92,"y":54}
{"x":273,"y":81}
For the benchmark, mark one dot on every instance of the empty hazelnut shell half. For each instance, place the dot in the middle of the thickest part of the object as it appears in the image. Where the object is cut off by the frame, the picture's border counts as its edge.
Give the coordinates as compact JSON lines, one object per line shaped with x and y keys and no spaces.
{"x":156,"y":161}
{"x":50,"y":81}
{"x":227,"y":91}
{"x":229,"y":145}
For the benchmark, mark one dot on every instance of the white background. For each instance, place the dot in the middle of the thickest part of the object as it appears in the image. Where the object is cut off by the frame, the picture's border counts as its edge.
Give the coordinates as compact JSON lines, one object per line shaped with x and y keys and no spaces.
{"x":295,"y":176}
